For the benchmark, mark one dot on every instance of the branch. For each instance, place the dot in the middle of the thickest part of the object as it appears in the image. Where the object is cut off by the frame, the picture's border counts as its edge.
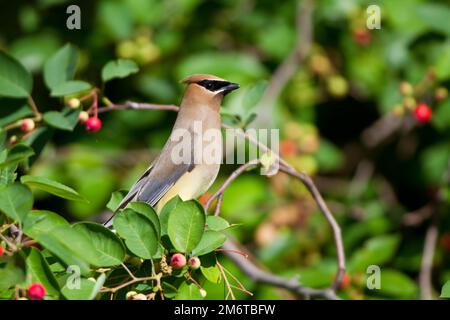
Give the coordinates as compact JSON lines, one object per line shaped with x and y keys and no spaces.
{"x":426,"y":287}
{"x":248,"y":267}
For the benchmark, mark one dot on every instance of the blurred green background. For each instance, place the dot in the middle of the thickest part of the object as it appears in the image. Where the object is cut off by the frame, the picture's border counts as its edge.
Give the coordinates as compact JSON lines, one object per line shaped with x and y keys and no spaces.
{"x":384,"y":195}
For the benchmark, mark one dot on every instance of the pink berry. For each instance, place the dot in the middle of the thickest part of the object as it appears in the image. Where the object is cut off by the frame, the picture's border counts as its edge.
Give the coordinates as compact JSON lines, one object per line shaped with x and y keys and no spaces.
{"x":423,"y":112}
{"x":178,"y":261}
{"x":36,"y":291}
{"x":27,"y":125}
{"x":93,"y":124}
{"x":194,"y":263}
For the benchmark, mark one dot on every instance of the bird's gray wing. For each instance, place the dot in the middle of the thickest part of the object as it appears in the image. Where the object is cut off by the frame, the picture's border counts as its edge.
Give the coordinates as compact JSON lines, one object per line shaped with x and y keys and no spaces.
{"x":156,"y":180}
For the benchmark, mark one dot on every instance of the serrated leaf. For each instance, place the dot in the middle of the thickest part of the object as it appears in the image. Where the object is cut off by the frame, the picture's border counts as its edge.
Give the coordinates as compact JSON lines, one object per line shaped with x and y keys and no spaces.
{"x":211,"y":240}
{"x":445,"y":292}
{"x":40,"y":272}
{"x":15,"y":80}
{"x":138,"y":231}
{"x":120,"y":68}
{"x":16,"y":155}
{"x":60,"y":67}
{"x":186,"y":225}
{"x":52,"y":187}
{"x":16,"y":201}
{"x":188,"y":292}
{"x":110,"y":250}
{"x":69,"y":87}
{"x":216,"y":223}
{"x":212,"y":274}
{"x":165,"y":212}
{"x":146,"y":210}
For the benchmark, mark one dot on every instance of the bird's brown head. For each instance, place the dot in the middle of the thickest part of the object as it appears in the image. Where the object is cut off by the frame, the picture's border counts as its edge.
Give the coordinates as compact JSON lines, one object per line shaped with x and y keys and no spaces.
{"x":207,"y":89}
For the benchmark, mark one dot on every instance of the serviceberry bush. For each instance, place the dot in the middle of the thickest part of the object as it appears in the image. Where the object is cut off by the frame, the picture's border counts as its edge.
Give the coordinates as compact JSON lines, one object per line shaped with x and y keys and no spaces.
{"x":43,"y":256}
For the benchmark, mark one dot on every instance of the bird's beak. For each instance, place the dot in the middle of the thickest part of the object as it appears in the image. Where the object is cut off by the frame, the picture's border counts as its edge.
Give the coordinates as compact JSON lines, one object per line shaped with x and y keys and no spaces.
{"x":228,"y":88}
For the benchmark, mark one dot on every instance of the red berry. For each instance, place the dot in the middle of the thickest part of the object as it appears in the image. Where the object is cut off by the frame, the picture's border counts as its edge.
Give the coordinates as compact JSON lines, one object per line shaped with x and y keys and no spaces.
{"x":194,"y":263}
{"x":27,"y":125}
{"x":445,"y":242}
{"x":288,"y":148}
{"x":178,"y":261}
{"x":93,"y":124}
{"x":423,"y":112}
{"x":362,"y":36}
{"x":204,"y":198}
{"x":1,"y":250}
{"x":36,"y":291}
{"x":345,"y":281}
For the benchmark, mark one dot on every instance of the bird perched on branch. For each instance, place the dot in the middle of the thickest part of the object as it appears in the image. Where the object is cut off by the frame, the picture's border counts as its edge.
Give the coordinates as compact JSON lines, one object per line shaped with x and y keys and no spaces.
{"x":190,"y":160}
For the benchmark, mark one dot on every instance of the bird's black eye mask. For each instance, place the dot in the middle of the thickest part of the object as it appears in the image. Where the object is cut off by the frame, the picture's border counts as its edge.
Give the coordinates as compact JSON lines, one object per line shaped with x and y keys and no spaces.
{"x":213,"y":85}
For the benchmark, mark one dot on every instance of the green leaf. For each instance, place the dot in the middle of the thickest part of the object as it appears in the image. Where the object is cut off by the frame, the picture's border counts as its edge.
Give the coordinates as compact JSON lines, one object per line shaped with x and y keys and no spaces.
{"x":17,"y":154}
{"x":445,"y":292}
{"x":186,"y":225}
{"x":69,"y":87}
{"x":146,"y":210}
{"x":165,"y":213}
{"x":57,"y":120}
{"x":10,"y":275}
{"x":254,"y":94}
{"x":441,"y":117}
{"x":212,"y":274}
{"x":377,"y":251}
{"x":13,"y":110}
{"x":85,"y":291}
{"x":435,"y":16}
{"x":120,"y":68}
{"x":16,"y":200}
{"x":115,"y":199}
{"x":110,"y":250}
{"x":41,"y":222}
{"x":56,"y":235}
{"x":138,"y":231}
{"x":52,"y":187}
{"x":188,"y":292}
{"x":40,"y":272}
{"x":210,"y":241}
{"x":60,"y":67}
{"x":397,"y":285}
{"x":15,"y":80}
{"x":216,"y":223}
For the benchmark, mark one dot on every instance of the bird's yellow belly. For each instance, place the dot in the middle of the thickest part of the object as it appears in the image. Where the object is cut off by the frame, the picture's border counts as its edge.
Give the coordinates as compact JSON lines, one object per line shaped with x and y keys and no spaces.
{"x":192,"y":184}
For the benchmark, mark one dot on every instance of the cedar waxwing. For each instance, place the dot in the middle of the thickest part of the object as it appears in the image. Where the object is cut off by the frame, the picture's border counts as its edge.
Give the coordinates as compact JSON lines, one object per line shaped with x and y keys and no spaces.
{"x":190,"y":160}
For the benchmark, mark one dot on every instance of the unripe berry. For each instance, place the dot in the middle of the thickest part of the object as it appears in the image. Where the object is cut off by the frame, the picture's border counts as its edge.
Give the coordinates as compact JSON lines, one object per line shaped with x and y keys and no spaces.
{"x":73,"y":103}
{"x":178,"y":261}
{"x":406,"y":88}
{"x":337,"y":86}
{"x":194,"y":263}
{"x":423,"y":112}
{"x":93,"y":124}
{"x":130,"y":295}
{"x":13,"y":139}
{"x":203,"y":292}
{"x":139,"y":296}
{"x":36,"y":291}
{"x":320,"y":64}
{"x":27,"y":125}
{"x":409,"y":103}
{"x":83,"y":117}
{"x":441,"y":93}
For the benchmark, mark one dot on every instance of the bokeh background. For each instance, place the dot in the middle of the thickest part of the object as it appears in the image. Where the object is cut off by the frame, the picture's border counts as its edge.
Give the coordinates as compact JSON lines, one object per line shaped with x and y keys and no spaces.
{"x":354,"y":85}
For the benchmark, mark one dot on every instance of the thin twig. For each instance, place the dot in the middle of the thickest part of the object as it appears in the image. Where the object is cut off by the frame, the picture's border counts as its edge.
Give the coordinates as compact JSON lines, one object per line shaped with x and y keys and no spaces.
{"x":426,"y":286}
